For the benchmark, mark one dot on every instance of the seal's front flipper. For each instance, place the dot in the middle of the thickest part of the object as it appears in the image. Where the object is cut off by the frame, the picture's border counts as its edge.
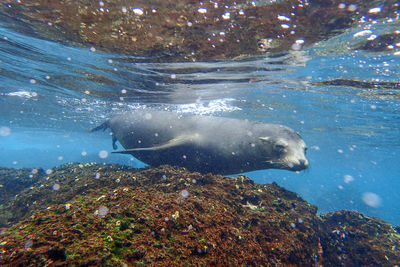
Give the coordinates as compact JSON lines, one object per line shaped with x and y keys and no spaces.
{"x":102,"y":126}
{"x":114,"y":142}
{"x":178,"y":141}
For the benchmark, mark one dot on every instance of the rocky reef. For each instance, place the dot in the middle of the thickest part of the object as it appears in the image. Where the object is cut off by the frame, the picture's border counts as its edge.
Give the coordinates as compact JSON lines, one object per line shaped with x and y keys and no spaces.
{"x":189,"y":30}
{"x":93,"y":214}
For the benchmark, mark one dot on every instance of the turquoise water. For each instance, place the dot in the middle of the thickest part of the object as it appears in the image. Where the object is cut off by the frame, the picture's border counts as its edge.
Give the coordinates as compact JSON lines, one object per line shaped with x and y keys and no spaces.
{"x":51,"y":94}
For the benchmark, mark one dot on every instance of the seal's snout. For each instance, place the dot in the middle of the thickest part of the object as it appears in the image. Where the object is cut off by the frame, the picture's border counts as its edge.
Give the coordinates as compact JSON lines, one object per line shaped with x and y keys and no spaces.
{"x":303,"y":163}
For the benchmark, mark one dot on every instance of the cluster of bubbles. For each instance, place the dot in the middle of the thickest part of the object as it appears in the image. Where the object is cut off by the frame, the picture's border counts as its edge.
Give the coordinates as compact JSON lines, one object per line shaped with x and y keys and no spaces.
{"x":368,"y":198}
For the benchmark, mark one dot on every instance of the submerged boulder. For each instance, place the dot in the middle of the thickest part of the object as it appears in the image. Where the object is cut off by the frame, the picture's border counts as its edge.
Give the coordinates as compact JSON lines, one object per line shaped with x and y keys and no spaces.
{"x":113,"y":215}
{"x":189,"y":30}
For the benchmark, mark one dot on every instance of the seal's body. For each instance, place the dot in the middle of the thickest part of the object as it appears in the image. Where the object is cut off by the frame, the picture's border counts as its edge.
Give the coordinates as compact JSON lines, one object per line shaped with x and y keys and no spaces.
{"x":207,"y":144}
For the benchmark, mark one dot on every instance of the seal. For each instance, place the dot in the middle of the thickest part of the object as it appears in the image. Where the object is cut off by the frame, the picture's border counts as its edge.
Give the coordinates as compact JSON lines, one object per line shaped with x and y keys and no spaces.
{"x":206,"y":143}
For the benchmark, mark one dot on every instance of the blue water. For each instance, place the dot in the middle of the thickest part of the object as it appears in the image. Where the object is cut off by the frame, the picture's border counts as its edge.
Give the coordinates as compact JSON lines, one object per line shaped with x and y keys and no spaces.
{"x":51,"y":94}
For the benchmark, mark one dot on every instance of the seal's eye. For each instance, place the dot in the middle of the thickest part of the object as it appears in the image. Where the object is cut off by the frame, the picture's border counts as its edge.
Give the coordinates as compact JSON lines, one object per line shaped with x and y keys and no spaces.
{"x":305,"y":150}
{"x":280,"y":148}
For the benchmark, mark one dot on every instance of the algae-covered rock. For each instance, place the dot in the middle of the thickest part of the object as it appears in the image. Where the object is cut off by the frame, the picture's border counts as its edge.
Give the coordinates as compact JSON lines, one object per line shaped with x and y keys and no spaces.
{"x":27,"y":190}
{"x":113,"y":215}
{"x":13,"y":182}
{"x":185,"y":30}
{"x":353,"y":239}
{"x":166,"y":216}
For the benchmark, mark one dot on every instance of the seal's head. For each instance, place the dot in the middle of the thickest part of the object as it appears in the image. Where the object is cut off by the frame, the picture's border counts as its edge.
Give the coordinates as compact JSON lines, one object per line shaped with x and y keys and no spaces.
{"x":285,"y":150}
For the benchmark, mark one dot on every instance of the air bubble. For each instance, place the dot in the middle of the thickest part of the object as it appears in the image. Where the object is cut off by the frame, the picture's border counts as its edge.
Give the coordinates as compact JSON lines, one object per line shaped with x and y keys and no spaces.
{"x":226,"y":15}
{"x":375,"y":10}
{"x":283,"y":18}
{"x":352,"y":8}
{"x":362,"y":33}
{"x":103,"y":154}
{"x":103,"y":211}
{"x":137,"y":11}
{"x":49,"y":171}
{"x":56,"y":187}
{"x":371,"y":199}
{"x":202,"y":10}
{"x":5,"y":131}
{"x":296,"y":47}
{"x":184,"y":193}
{"x":348,"y":178}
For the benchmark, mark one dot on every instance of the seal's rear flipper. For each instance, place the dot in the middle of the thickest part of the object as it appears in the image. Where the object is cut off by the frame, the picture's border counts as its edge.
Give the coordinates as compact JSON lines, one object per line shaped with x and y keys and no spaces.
{"x":128,"y":151}
{"x":102,"y":126}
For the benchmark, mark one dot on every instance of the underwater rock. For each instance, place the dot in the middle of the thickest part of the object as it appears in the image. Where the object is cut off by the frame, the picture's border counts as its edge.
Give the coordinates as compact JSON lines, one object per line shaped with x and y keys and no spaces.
{"x":188,"y":30}
{"x":112,"y":215}
{"x":384,"y":42}
{"x":13,"y":182}
{"x":353,"y":239}
{"x":166,"y":216}
{"x":378,"y":89}
{"x":25,"y":194}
